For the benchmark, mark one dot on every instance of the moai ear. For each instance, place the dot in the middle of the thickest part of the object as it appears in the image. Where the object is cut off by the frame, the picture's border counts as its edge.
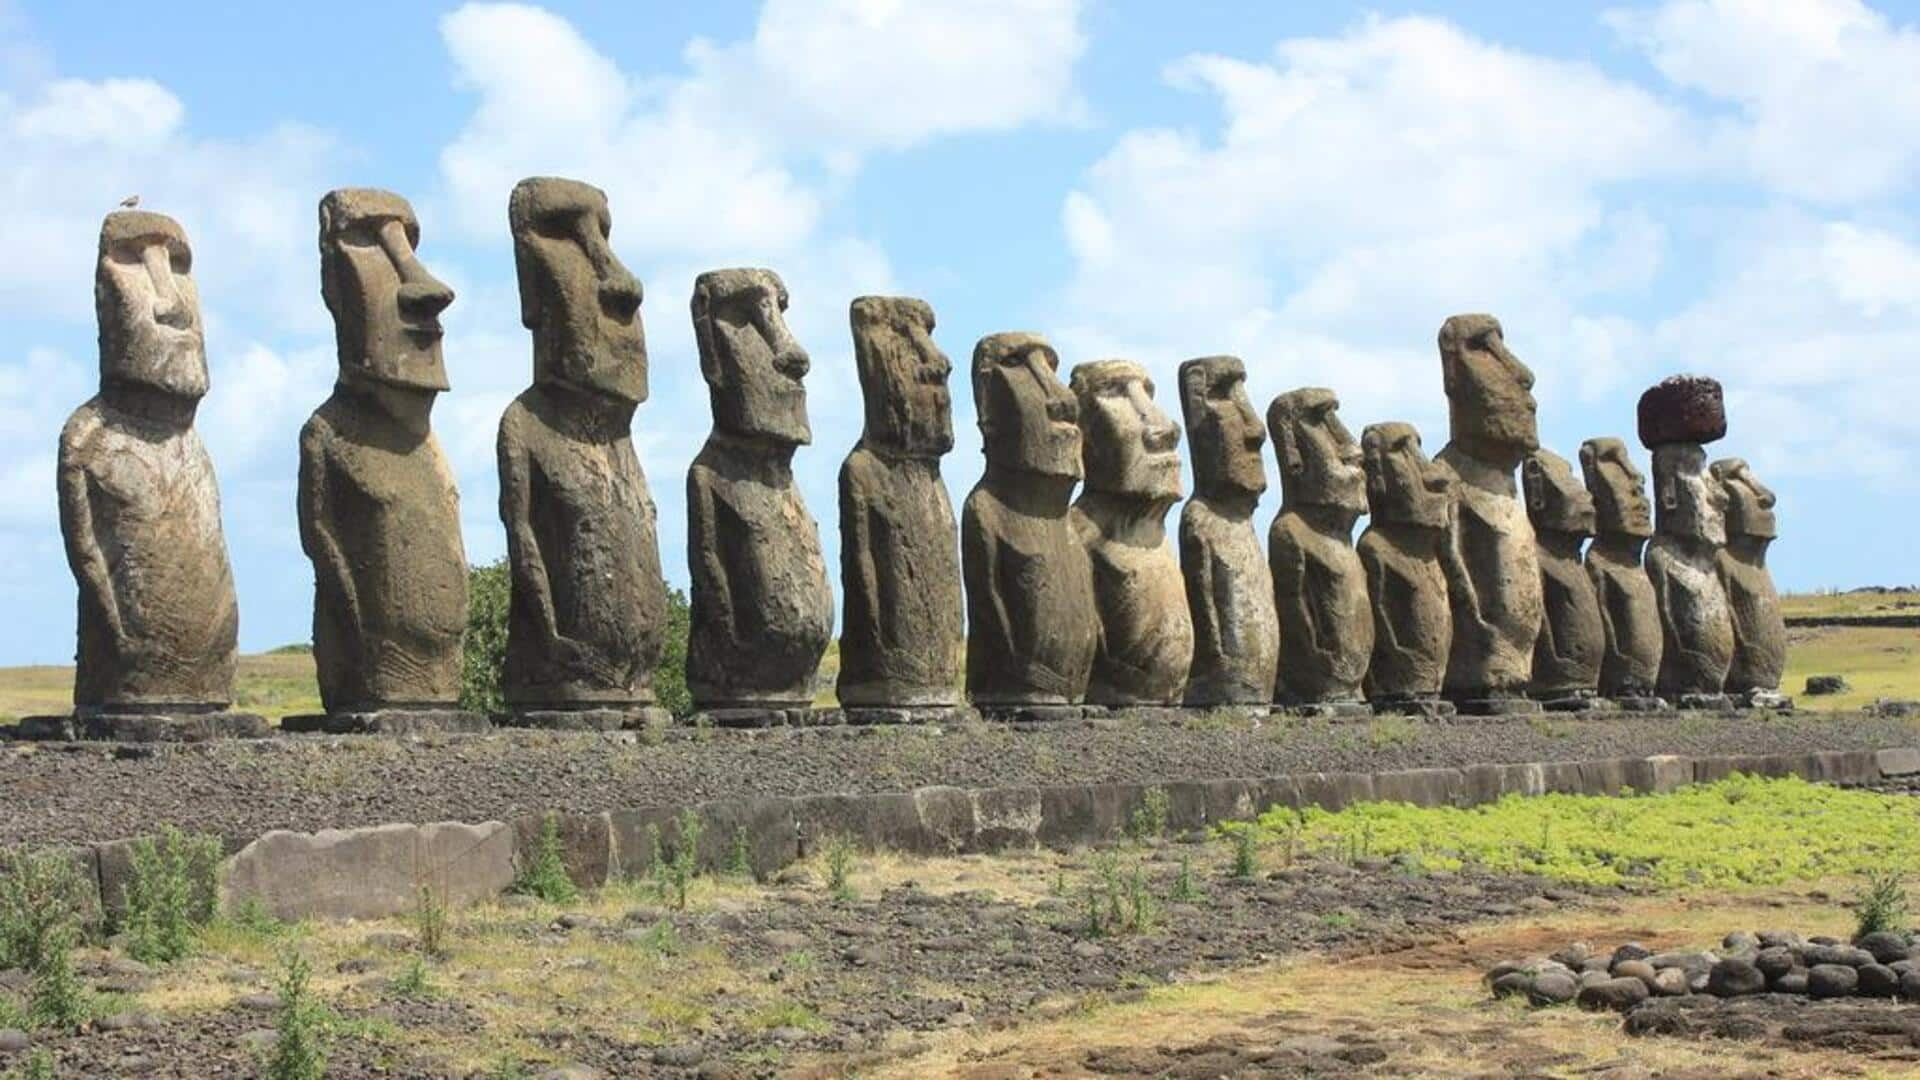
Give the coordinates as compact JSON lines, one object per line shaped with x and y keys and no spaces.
{"x":523,"y":259}
{"x":703,"y":335}
{"x":1290,"y":458}
{"x":1667,"y":488}
{"x":1533,"y":481}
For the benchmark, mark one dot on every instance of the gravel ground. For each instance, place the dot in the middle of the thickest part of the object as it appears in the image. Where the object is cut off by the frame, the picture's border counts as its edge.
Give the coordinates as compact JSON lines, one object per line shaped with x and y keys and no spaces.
{"x":74,"y":793}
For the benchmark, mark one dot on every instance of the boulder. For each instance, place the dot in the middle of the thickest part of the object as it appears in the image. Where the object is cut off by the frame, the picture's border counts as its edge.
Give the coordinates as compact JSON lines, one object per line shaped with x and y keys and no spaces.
{"x":1553,"y":988}
{"x":1617,"y":994}
{"x":1884,"y":946}
{"x":1635,"y":969}
{"x":1632,"y":950}
{"x":1822,"y":685}
{"x":1670,"y":982}
{"x":1832,"y":980}
{"x":1878,"y":980}
{"x":1735,"y":977}
{"x":1774,"y":962}
{"x":1910,"y":985}
{"x":1839,"y":955}
{"x":1510,"y":983}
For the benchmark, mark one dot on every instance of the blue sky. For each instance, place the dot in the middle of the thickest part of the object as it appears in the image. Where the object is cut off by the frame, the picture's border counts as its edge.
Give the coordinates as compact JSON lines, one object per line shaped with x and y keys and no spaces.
{"x":1635,"y":189}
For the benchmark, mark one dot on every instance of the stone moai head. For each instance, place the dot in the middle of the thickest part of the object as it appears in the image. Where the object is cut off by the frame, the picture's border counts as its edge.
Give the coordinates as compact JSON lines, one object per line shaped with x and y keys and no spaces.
{"x":1319,"y":461}
{"x":1677,"y":416}
{"x":1028,"y":420}
{"x":1556,"y":502}
{"x":752,"y":364}
{"x":1403,"y":486}
{"x":386,"y":306}
{"x":148,"y":307}
{"x":1128,"y":445}
{"x":1619,"y":491}
{"x":1749,"y":502}
{"x":1490,"y":404}
{"x":903,"y":377}
{"x":1223,"y":430}
{"x":580,"y":302}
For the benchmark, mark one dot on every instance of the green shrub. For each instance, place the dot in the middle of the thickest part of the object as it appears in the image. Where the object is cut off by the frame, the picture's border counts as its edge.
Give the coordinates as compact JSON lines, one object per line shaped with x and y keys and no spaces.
{"x":39,"y":1066}
{"x":670,"y":678}
{"x":1882,"y":905}
{"x":1119,"y":902}
{"x":740,"y":856}
{"x":57,"y":998}
{"x":297,"y":1050}
{"x":430,"y":921}
{"x":839,"y":853}
{"x":1149,"y":819}
{"x":1246,"y":852}
{"x":675,"y":875}
{"x":172,"y":888}
{"x":546,"y":875}
{"x":41,"y":897}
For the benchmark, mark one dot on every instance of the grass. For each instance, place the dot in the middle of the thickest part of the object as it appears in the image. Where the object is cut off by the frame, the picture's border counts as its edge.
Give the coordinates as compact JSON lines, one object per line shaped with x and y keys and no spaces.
{"x":1830,"y":604}
{"x":273,"y":684}
{"x":1878,"y":662}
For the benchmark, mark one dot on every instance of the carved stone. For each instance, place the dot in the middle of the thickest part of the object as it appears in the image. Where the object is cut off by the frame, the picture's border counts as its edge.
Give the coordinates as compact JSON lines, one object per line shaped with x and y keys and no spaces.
{"x":1759,"y":629}
{"x":762,"y":608}
{"x":379,"y":515}
{"x":1409,"y":499}
{"x":1319,"y":588}
{"x":1236,"y":654}
{"x":1567,"y":658}
{"x":902,"y":641}
{"x":1131,"y":453}
{"x":1031,"y":622}
{"x":1493,"y":571}
{"x":1630,"y":665}
{"x":1683,"y":561}
{"x":588,"y":618}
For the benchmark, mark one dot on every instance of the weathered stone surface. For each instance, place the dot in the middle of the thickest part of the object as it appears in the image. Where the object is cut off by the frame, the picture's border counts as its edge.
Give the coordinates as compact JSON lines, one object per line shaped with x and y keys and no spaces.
{"x":139,"y":506}
{"x":762,"y":608}
{"x":387,"y":722}
{"x":1319,"y":587}
{"x":1493,"y":572}
{"x":1131,"y":456}
{"x":373,"y":872}
{"x":1567,"y":657}
{"x":899,"y":545}
{"x":586,"y":844}
{"x":1759,"y":629}
{"x":1031,"y":622}
{"x":1682,"y":409}
{"x":588,"y":618}
{"x":1409,"y":500}
{"x":1629,"y":615}
{"x":379,"y":516}
{"x":1683,"y":565}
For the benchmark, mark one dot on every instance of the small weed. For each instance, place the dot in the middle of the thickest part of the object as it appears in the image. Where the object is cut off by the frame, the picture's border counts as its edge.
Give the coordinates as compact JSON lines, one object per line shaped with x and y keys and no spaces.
{"x":839,"y":852}
{"x":1246,"y":852}
{"x":786,"y":1013}
{"x":56,"y":998}
{"x":414,"y":981}
{"x":1184,"y":891}
{"x":1119,"y":902}
{"x":430,"y":921}
{"x":41,"y":897}
{"x":171,"y":890}
{"x":1392,"y":730}
{"x":661,"y":939}
{"x":1149,"y":819}
{"x":39,"y":1066}
{"x":1882,"y":904}
{"x":1340,"y":920}
{"x":297,"y":1051}
{"x":740,"y":855}
{"x":546,"y":877}
{"x":797,"y":961}
{"x":252,"y":916}
{"x":676,"y":875}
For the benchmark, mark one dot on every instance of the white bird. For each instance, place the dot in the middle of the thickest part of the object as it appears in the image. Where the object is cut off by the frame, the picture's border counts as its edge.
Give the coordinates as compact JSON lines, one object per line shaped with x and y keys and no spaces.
{"x":130,"y":201}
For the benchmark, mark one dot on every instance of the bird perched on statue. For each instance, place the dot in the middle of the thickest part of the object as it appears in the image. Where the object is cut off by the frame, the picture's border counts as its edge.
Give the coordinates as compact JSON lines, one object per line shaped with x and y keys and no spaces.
{"x":130,"y":201}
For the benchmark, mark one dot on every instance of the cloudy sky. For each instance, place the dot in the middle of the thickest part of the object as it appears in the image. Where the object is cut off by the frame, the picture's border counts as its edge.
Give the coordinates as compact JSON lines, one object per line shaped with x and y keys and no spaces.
{"x":1723,"y":186}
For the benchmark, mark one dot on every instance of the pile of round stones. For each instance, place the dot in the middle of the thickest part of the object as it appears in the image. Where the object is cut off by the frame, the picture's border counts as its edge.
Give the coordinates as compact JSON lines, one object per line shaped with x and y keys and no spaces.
{"x":1877,"y":965}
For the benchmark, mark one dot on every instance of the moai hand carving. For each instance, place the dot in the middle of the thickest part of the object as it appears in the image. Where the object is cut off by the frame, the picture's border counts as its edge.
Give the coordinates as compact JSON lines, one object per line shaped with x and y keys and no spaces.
{"x":379,"y":515}
{"x":589,"y":609}
{"x":1677,"y":417}
{"x":139,"y":507}
{"x":1130,"y":450}
{"x":1236,"y":652}
{"x":1031,"y":621}
{"x":899,"y":546}
{"x":1566,"y":661}
{"x":762,"y":606}
{"x":1493,"y":572}
{"x":1319,"y":588}
{"x":1630,"y":666}
{"x":1759,"y":630}
{"x":1409,"y":499}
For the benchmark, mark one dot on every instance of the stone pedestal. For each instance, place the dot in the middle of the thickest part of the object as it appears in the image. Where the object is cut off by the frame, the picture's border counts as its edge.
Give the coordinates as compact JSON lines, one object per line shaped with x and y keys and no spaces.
{"x":395,"y":721}
{"x":590,"y":718}
{"x":158,"y":726}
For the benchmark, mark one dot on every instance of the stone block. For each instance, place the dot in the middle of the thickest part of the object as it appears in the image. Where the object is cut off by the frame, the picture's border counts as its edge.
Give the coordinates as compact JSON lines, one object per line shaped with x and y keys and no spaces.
{"x":1271,"y":791}
{"x":888,"y":821}
{"x":1562,"y":778}
{"x":946,"y":819}
{"x":1006,"y":818}
{"x":1897,"y":761}
{"x":1334,"y":791}
{"x":1606,"y":776}
{"x":1481,"y":784}
{"x":586,"y":845}
{"x":767,"y":824}
{"x":1661,"y":773}
{"x":1421,"y":787}
{"x":373,"y":872}
{"x":1086,"y":813}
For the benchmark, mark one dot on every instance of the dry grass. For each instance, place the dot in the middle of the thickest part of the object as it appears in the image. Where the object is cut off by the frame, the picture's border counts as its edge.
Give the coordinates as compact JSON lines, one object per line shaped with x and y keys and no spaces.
{"x":1850,"y":603}
{"x":1879,"y":662}
{"x":272,"y":684}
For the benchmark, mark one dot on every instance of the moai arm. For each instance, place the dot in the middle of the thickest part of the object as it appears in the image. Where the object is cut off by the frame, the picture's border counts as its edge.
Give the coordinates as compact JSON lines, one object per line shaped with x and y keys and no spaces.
{"x":711,"y":573}
{"x":1380,"y":595}
{"x":316,"y":538}
{"x":1290,"y":566}
{"x":861,"y":576}
{"x":528,"y":566}
{"x":981,"y":550}
{"x":1610,"y":620}
{"x":83,"y":548}
{"x":1674,"y":638}
{"x":1460,"y":591}
{"x":1196,"y":560}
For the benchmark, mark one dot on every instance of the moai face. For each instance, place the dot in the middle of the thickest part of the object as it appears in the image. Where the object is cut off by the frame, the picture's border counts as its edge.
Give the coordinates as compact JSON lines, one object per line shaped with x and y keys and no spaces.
{"x":1692,"y":504}
{"x":148,"y":307}
{"x":1556,"y":502}
{"x":1489,"y":391}
{"x":1028,"y":421}
{"x":386,"y":306}
{"x":1224,"y":432}
{"x":752,"y":364}
{"x":903,"y":376}
{"x":1403,"y":486}
{"x":1319,"y":461}
{"x":580,"y":302}
{"x":1749,"y":502}
{"x":1128,"y":445}
{"x":1619,"y":491}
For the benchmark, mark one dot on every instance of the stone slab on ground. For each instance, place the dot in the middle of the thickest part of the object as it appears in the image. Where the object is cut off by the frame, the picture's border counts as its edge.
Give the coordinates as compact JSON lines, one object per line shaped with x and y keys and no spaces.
{"x":371,"y":872}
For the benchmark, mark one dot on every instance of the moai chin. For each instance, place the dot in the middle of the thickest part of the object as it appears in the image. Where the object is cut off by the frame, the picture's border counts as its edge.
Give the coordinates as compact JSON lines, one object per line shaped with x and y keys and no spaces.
{"x":1630,"y":665}
{"x":1493,"y":572}
{"x":1319,"y":588}
{"x":1572,"y":644}
{"x":1130,"y":452}
{"x":379,"y":515}
{"x":762,"y":606}
{"x":901,"y":644}
{"x":1031,"y":621}
{"x":588,"y":616}
{"x":1759,"y":629}
{"x":1677,"y":417}
{"x":1409,"y":500}
{"x":140,"y":509}
{"x":1236,"y":653}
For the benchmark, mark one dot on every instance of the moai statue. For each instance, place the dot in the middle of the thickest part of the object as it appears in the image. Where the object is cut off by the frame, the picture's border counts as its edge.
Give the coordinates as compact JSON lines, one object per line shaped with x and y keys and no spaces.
{"x":899,"y":546}
{"x":1236,"y":649}
{"x":588,"y":618}
{"x":1031,"y":621}
{"x":1573,"y":637}
{"x":1759,"y":630}
{"x":762,"y":606}
{"x":140,"y":511}
{"x":1408,"y":501}
{"x":379,"y":515}
{"x":1493,"y":572}
{"x":1131,"y":456}
{"x":1630,"y":666}
{"x":1319,"y":588}
{"x":1677,"y":418}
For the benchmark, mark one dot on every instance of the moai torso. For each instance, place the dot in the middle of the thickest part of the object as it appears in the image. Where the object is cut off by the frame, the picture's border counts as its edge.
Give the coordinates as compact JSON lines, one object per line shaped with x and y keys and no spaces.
{"x":1494,"y":584}
{"x":1236,"y":653}
{"x":1630,"y":665}
{"x":1759,"y":628}
{"x":1319,"y":588}
{"x":1409,"y":499}
{"x":1677,"y":417}
{"x":1696,"y":620}
{"x":1566,"y":659}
